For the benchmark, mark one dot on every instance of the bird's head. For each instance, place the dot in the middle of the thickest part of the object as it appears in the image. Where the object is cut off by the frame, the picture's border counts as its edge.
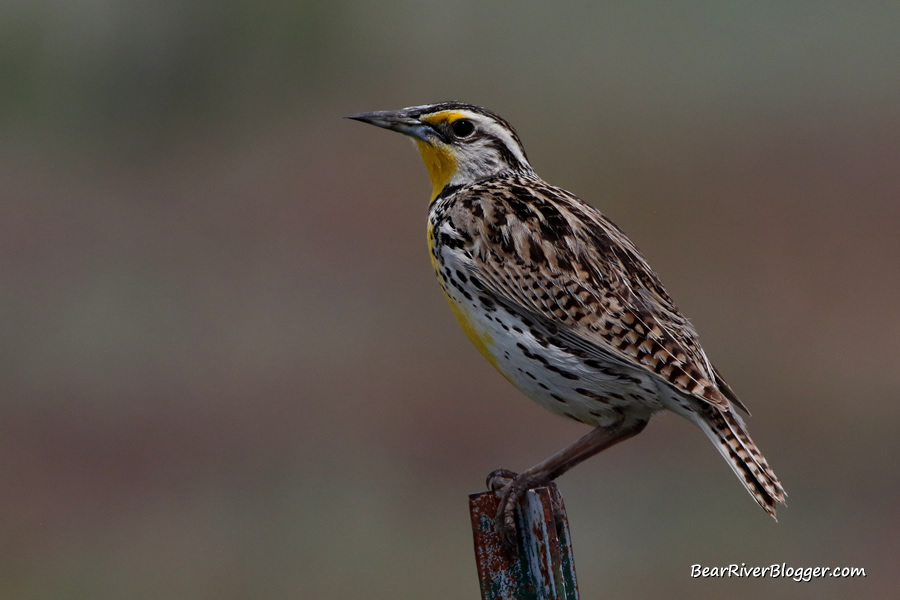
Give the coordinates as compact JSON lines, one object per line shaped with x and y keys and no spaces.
{"x":460,"y":143}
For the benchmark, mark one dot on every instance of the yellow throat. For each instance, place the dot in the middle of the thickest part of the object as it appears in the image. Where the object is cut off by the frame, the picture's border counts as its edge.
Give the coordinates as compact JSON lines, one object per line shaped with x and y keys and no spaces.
{"x":440,"y":160}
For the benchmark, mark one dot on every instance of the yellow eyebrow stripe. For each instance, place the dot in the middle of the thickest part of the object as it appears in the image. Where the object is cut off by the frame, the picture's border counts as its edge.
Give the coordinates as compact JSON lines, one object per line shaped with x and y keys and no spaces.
{"x":444,"y":116}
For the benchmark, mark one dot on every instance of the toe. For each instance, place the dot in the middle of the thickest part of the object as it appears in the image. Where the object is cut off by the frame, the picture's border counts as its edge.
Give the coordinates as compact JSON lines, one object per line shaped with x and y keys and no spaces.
{"x":499,"y":479}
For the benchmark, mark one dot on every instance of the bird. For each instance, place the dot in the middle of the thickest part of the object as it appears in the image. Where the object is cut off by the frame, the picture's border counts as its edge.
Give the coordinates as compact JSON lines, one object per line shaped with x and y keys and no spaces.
{"x":562,"y":303}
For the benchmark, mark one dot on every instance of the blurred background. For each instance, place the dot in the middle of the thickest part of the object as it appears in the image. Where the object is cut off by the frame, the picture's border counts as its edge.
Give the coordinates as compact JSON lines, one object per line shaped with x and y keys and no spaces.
{"x":227,"y":370}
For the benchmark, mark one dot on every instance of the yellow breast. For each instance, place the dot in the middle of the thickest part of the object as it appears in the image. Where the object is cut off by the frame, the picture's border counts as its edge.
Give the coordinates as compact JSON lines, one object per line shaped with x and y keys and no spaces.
{"x":482,"y":340}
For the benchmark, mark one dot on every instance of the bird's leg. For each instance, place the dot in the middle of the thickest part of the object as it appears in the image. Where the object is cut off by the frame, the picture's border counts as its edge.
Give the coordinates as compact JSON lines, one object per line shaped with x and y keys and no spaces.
{"x":511,"y":485}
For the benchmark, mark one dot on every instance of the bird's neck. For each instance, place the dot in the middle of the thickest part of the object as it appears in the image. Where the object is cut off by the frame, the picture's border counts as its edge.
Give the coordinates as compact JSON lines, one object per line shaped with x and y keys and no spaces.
{"x":440,"y":160}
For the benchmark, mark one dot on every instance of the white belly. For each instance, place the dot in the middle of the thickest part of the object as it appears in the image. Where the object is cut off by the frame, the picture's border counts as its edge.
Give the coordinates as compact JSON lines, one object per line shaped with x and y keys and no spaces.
{"x":555,"y":378}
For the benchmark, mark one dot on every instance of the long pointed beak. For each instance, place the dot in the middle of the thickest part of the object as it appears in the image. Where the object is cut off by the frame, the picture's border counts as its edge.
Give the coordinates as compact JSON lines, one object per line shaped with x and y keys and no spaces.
{"x":397,"y":121}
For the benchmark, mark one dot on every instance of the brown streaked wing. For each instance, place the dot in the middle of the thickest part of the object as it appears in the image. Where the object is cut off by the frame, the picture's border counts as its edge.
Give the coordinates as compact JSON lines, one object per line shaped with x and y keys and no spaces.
{"x":546,"y":253}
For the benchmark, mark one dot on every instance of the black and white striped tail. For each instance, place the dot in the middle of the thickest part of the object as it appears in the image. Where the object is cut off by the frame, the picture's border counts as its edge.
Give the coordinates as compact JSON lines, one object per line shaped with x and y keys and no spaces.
{"x":728,"y":432}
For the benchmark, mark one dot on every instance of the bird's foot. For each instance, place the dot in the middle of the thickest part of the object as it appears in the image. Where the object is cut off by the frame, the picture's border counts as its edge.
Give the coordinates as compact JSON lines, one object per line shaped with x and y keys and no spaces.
{"x":511,"y":486}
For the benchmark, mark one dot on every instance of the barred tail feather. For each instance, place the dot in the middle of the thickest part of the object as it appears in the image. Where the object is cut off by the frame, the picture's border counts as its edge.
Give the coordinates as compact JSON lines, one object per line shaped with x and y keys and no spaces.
{"x":729,"y":434}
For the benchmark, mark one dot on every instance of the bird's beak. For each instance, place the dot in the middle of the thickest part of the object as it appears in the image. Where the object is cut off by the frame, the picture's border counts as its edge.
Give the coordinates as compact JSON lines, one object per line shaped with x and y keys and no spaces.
{"x":398,"y":120}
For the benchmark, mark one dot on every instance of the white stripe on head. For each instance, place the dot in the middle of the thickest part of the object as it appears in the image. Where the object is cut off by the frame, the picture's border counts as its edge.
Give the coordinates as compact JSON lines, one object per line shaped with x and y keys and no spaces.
{"x":493,"y":148}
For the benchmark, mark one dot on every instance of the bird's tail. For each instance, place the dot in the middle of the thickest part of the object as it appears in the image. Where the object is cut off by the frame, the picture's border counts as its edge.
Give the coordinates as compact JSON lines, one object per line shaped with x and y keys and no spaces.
{"x":729,"y":434}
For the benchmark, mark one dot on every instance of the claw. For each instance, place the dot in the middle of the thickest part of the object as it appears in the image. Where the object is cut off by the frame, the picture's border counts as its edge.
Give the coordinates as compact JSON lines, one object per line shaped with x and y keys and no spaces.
{"x":511,"y":487}
{"x":506,"y":517}
{"x":499,"y":478}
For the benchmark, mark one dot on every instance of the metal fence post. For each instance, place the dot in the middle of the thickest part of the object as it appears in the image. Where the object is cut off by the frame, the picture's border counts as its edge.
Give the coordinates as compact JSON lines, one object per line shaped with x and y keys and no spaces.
{"x":543,"y":567}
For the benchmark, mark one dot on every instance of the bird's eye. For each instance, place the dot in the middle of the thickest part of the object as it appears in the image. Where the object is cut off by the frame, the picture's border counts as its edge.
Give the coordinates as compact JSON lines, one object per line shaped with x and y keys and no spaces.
{"x":463,"y":128}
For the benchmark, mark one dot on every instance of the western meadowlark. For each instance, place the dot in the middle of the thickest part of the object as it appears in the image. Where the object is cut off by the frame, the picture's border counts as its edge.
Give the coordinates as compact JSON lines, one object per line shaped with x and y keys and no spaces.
{"x":561,"y":302}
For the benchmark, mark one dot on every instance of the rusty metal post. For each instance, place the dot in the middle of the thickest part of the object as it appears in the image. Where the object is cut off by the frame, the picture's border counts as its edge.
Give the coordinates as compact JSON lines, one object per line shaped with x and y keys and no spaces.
{"x":543,"y":567}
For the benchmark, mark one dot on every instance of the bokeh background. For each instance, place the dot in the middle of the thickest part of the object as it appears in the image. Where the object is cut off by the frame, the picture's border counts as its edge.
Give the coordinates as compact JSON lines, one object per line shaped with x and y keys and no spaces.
{"x":226,"y":370}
